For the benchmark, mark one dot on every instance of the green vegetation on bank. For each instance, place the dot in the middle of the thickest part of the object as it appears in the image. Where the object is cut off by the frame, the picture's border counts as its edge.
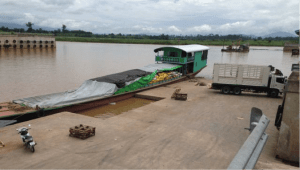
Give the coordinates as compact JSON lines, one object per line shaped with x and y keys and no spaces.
{"x":15,"y":33}
{"x":211,"y":39}
{"x":174,"y":42}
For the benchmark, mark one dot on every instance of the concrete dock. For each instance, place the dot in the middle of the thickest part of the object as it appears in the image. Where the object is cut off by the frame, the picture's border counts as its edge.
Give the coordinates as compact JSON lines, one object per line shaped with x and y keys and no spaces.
{"x":26,"y":41}
{"x":204,"y":132}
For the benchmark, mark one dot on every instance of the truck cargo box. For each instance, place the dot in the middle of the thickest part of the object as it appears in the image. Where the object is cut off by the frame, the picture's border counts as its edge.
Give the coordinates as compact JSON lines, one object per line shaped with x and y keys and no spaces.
{"x":239,"y":74}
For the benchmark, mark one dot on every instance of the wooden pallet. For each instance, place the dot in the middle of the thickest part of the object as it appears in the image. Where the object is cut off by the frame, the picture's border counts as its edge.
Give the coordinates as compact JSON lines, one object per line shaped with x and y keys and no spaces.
{"x":181,"y":96}
{"x":82,"y":131}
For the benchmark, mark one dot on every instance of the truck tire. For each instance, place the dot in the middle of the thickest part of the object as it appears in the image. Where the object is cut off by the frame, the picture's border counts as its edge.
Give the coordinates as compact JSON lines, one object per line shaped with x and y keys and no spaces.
{"x":237,"y":90}
{"x":273,"y":93}
{"x":226,"y":89}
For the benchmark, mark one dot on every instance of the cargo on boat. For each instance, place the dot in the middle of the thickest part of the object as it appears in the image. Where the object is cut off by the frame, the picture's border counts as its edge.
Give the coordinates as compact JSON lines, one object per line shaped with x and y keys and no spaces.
{"x":236,"y":47}
{"x":242,"y":48}
{"x":173,"y":64}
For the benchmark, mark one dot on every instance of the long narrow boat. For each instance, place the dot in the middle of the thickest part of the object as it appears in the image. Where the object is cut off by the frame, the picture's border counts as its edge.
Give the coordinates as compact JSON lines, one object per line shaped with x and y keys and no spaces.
{"x":186,"y":60}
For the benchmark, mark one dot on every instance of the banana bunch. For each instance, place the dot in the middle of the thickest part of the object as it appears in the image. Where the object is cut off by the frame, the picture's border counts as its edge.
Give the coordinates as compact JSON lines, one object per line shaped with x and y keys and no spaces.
{"x":162,"y":76}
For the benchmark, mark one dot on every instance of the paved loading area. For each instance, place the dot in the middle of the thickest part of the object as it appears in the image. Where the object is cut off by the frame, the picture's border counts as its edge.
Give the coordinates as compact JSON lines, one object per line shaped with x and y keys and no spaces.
{"x":204,"y":132}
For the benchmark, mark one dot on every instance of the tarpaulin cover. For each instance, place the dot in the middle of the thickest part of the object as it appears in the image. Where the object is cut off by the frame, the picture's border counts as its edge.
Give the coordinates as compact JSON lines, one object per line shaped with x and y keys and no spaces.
{"x":120,"y":78}
{"x":160,"y":67}
{"x":138,"y":84}
{"x":98,"y":88}
{"x":88,"y":91}
{"x":130,"y":82}
{"x":4,"y":123}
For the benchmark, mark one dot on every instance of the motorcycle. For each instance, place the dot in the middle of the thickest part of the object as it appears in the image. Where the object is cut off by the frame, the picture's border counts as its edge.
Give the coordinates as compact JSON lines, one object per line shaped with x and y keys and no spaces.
{"x":26,"y":138}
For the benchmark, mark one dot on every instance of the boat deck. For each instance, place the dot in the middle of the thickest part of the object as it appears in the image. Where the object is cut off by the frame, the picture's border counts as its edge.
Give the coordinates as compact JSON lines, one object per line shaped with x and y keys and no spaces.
{"x":204,"y":132}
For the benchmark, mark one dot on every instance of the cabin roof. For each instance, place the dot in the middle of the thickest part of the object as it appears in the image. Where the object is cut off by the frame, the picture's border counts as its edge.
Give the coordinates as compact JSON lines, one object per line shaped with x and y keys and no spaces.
{"x":186,"y":48}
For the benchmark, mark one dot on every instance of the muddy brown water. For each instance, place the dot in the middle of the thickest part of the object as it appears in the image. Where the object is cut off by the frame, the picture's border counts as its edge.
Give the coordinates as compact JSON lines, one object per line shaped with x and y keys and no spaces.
{"x":116,"y":108}
{"x":27,"y":73}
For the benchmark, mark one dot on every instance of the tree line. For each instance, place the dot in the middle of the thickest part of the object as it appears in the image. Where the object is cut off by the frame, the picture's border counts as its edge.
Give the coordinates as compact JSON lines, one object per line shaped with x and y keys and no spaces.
{"x":80,"y":33}
{"x":58,"y":32}
{"x":211,"y":37}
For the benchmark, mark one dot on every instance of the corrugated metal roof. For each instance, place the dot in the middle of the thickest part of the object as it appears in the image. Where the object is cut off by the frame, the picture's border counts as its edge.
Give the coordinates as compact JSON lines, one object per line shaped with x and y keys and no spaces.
{"x":187,"y":48}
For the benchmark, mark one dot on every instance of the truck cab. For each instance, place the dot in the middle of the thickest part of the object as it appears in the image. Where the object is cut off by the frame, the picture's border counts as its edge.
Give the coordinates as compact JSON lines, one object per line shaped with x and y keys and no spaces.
{"x":278,"y":82}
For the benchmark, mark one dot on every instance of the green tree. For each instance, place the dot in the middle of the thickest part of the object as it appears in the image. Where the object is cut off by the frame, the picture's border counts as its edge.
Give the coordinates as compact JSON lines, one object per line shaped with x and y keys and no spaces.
{"x":29,"y":25}
{"x":64,"y":28}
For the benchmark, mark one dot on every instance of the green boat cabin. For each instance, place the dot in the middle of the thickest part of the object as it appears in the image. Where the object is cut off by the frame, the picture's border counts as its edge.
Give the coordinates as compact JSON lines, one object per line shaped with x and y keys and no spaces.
{"x":191,"y":57}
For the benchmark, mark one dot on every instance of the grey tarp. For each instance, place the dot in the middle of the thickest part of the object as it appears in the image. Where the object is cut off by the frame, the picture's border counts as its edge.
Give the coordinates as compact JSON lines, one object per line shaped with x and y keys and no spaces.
{"x":121,"y":78}
{"x":88,"y":91}
{"x":130,"y":82}
{"x":92,"y":89}
{"x":160,"y":66}
{"x":4,"y":123}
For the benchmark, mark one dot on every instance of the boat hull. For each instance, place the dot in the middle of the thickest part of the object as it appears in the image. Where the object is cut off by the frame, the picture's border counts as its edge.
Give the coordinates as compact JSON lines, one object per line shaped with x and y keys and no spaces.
{"x":76,"y":108}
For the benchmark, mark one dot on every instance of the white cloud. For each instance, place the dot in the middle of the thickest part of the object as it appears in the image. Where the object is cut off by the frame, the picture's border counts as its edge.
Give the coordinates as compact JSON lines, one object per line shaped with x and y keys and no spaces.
{"x":240,"y":25}
{"x":29,"y":17}
{"x":197,"y":2}
{"x":71,"y":24}
{"x":173,"y":28}
{"x":146,"y":29}
{"x":200,"y":29}
{"x":159,"y":16}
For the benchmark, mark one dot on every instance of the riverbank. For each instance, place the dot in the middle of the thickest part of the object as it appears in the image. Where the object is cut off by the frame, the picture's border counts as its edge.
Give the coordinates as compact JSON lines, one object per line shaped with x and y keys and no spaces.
{"x":204,"y":132}
{"x":279,"y":43}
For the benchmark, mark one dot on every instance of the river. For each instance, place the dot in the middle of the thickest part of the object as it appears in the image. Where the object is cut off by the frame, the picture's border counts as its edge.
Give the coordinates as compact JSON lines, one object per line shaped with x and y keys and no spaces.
{"x":27,"y":73}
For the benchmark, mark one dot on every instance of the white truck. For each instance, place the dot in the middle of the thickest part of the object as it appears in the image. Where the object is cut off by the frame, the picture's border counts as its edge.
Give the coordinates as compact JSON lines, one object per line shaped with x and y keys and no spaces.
{"x":255,"y":78}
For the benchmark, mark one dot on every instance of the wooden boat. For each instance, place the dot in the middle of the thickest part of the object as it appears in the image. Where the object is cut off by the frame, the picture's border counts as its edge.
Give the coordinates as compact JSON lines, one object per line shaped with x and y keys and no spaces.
{"x":192,"y":58}
{"x":242,"y":48}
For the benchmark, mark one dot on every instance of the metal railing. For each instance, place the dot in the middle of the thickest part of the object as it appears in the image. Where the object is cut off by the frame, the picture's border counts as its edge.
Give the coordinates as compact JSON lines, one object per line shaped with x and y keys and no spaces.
{"x":169,"y":59}
{"x":249,"y":153}
{"x":177,"y":60}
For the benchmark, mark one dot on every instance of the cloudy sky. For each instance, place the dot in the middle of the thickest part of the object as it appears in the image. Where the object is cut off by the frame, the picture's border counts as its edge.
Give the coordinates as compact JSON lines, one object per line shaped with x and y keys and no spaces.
{"x":256,"y":17}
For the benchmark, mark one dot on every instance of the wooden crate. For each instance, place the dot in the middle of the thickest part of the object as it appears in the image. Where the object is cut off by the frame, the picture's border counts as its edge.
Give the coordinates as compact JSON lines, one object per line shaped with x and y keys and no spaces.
{"x":181,"y":96}
{"x":82,"y":131}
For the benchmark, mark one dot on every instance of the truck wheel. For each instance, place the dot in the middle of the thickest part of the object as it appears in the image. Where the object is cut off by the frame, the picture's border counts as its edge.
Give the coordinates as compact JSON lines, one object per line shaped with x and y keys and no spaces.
{"x":237,"y":90}
{"x":226,"y":89}
{"x":273,"y":93}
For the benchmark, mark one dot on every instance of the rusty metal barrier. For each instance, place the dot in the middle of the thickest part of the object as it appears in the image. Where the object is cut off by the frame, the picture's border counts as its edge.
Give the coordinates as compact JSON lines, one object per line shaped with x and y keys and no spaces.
{"x":249,"y":153}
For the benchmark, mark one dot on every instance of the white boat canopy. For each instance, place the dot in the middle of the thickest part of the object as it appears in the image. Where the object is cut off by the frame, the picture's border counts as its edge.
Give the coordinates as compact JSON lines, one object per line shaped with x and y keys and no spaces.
{"x":186,"y":48}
